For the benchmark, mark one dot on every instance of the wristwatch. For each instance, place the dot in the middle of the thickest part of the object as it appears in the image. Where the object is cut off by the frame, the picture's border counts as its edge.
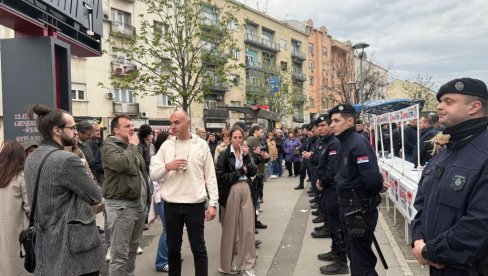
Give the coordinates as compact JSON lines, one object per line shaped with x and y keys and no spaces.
{"x":214,"y":204}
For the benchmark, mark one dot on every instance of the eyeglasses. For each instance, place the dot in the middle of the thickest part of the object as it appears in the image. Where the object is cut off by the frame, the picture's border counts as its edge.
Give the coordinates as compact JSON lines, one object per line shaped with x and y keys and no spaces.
{"x":70,"y":127}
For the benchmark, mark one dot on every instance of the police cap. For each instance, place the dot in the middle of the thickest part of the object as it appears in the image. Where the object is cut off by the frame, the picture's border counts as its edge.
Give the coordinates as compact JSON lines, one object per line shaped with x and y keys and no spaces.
{"x":342,"y":108}
{"x":322,"y":118}
{"x":464,"y":86}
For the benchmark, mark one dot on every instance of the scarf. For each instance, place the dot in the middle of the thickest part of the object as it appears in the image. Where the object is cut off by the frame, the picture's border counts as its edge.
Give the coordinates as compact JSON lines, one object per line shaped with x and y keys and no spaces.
{"x":467,"y":128}
{"x":345,"y":134}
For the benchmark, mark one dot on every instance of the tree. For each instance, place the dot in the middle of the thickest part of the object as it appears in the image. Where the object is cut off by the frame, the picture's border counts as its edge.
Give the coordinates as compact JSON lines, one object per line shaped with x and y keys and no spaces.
{"x":181,"y":50}
{"x":346,"y":80}
{"x":422,"y":87}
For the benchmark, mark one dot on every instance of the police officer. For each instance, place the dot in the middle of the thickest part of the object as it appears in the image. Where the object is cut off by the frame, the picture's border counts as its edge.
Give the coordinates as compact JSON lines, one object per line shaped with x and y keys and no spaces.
{"x":359,"y":182}
{"x":450,"y":229}
{"x":327,"y":156}
{"x":304,"y":167}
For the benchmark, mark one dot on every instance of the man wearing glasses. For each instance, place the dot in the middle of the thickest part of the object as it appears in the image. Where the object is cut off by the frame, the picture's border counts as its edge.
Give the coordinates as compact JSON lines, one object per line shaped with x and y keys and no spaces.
{"x":185,"y":168}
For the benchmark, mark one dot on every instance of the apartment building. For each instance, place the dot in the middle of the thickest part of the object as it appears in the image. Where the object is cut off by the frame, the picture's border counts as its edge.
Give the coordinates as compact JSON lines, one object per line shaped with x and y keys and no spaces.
{"x":269,"y":48}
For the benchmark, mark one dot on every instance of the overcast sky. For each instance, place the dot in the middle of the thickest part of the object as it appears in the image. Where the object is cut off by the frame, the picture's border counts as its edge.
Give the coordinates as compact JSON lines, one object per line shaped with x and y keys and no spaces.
{"x":444,"y":39}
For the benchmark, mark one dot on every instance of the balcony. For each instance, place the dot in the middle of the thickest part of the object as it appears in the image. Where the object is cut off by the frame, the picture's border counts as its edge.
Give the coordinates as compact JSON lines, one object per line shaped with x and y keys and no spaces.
{"x":122,"y":68}
{"x":299,"y":76}
{"x":121,"y":30}
{"x":215,"y":57}
{"x":263,"y":67}
{"x":261,"y":43}
{"x":130,"y":1}
{"x":342,"y":46}
{"x":215,"y":113}
{"x":255,"y":90}
{"x":126,"y":108}
{"x":298,"y":118}
{"x":299,"y":56}
{"x":215,"y":85}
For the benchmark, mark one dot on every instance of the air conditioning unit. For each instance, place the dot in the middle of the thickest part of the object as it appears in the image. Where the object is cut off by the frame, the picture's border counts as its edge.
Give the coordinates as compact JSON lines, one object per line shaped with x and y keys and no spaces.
{"x":143,"y":115}
{"x":220,"y":97}
{"x":110,"y":95}
{"x":118,"y":70}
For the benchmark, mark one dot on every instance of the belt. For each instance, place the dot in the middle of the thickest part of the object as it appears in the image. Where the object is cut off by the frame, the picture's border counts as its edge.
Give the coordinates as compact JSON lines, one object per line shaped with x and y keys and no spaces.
{"x":351,"y":202}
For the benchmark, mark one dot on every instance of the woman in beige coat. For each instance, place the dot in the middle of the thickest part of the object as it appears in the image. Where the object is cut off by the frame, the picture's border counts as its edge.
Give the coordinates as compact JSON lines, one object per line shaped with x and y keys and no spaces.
{"x":14,"y":209}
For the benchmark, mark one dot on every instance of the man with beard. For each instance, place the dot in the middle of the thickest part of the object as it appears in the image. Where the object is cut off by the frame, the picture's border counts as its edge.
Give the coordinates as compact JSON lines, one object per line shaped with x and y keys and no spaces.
{"x":85,"y":131}
{"x":67,"y":240}
{"x":449,"y":229}
{"x":126,"y":192}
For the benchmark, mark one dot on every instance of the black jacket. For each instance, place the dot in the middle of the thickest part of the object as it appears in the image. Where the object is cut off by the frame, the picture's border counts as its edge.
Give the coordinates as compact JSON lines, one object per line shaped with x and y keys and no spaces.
{"x":410,"y":140}
{"x":328,"y":159}
{"x":425,"y":146}
{"x":227,"y":175}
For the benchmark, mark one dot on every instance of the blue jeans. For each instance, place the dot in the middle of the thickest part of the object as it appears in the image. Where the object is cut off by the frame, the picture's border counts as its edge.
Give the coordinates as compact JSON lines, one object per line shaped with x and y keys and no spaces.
{"x":162,"y":253}
{"x":278,"y":166}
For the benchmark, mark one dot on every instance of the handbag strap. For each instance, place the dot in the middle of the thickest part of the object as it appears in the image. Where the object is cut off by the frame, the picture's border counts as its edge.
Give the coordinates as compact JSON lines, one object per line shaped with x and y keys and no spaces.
{"x":36,"y":187}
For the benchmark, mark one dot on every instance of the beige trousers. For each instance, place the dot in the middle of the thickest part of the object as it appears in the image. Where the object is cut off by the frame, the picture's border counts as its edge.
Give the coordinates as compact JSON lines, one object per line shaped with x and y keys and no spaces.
{"x":238,"y":225}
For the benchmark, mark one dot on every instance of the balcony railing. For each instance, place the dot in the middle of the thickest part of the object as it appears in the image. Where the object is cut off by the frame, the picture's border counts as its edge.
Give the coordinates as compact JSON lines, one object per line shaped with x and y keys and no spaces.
{"x":299,"y":76}
{"x":216,"y":85}
{"x":209,"y":22}
{"x":126,"y":108}
{"x":298,"y":55}
{"x":255,"y":90}
{"x":267,"y":68}
{"x":213,"y":57}
{"x":122,"y":69}
{"x":216,"y":113}
{"x":261,"y":43}
{"x":121,"y":30}
{"x":298,"y":118}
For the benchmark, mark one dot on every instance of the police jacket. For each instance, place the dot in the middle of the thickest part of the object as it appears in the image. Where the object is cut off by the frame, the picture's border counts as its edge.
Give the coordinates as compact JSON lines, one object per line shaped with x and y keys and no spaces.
{"x":315,"y":147}
{"x":357,"y":165}
{"x":327,"y":160}
{"x":452,"y":204}
{"x":228,"y":175}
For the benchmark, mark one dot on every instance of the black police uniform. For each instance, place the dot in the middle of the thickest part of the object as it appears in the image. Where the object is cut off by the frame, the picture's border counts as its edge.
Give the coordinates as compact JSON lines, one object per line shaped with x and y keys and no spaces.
{"x":327,"y":171}
{"x":315,"y":144}
{"x":452,"y":197}
{"x":357,"y":169}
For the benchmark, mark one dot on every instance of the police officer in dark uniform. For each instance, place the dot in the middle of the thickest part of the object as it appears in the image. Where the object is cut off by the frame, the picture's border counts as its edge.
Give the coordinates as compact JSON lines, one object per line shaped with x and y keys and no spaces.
{"x":304,"y":167}
{"x":359,"y":182}
{"x":450,"y":230}
{"x":327,"y":154}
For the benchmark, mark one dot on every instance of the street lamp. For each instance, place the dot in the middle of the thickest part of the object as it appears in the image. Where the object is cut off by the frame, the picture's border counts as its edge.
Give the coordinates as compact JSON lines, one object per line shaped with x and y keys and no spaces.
{"x":359,"y":48}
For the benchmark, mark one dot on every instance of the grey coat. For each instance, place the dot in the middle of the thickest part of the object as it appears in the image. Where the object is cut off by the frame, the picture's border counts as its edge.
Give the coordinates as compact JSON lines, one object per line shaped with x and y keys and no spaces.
{"x":67,"y":237}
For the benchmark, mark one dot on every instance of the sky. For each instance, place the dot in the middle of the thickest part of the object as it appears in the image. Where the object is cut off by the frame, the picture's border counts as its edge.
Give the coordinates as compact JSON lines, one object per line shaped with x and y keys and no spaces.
{"x":442,"y":39}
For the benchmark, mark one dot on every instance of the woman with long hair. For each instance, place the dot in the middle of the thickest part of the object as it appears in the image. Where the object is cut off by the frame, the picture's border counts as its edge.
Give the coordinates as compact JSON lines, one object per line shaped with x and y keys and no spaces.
{"x":14,"y":207}
{"x":234,"y":169}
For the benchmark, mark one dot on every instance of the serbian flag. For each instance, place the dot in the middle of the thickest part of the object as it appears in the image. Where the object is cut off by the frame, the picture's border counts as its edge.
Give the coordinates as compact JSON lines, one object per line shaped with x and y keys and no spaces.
{"x":362,"y":159}
{"x":332,"y":152}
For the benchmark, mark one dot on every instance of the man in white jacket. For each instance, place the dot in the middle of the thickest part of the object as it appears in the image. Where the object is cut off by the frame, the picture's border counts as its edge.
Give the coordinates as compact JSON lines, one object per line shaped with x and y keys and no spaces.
{"x":186,"y":165}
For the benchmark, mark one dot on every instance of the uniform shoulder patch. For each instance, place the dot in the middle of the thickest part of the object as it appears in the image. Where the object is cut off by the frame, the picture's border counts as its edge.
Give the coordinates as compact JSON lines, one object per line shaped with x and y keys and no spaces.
{"x":332,"y":152}
{"x":362,"y":159}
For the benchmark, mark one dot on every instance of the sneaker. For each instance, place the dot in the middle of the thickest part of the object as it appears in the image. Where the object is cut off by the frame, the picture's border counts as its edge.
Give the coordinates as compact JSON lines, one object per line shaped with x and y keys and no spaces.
{"x":163,"y":269}
{"x":260,"y":209}
{"x":273,"y":176}
{"x":233,"y":270}
{"x":139,"y":250}
{"x":328,"y":257}
{"x":335,"y":268}
{"x":248,"y":272}
{"x":257,"y":243}
{"x":107,"y":256}
{"x":260,"y":225}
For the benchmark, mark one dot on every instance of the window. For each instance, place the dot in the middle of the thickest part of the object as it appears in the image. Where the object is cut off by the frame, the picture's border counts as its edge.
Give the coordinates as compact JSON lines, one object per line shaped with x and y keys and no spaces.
{"x":310,"y":48}
{"x":324,"y":51}
{"x":164,"y":100}
{"x":119,"y":56}
{"x":283,"y":43}
{"x":123,"y":95}
{"x":159,"y":28}
{"x":250,"y":60}
{"x":250,"y":30}
{"x":236,"y":54}
{"x":210,"y":104}
{"x":311,"y":65}
{"x":312,"y":102}
{"x":210,"y":15}
{"x":235,"y":79}
{"x":233,"y":25}
{"x":165,"y":65}
{"x":235,"y":103}
{"x":120,"y":17}
{"x":267,"y":35}
{"x":78,"y":91}
{"x":295,"y":45}
{"x":311,"y":80}
{"x":284,"y":66}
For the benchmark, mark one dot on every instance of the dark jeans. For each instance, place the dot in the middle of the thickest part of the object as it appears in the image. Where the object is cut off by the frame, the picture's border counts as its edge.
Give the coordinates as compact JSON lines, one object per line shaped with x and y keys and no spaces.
{"x":193,"y":216}
{"x":278,"y":169}
{"x":296,"y":168}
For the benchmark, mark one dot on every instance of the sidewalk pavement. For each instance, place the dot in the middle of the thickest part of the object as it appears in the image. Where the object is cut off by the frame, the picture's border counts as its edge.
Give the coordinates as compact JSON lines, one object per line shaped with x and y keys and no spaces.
{"x":287,"y":248}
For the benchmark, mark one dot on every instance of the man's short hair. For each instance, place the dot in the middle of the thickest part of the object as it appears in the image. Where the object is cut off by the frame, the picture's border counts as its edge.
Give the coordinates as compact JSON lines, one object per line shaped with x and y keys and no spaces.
{"x":435,"y":118}
{"x":144,"y":131}
{"x":84,"y":126}
{"x":428,"y":119}
{"x":253,"y":129}
{"x":483,"y":101}
{"x":115,"y":122}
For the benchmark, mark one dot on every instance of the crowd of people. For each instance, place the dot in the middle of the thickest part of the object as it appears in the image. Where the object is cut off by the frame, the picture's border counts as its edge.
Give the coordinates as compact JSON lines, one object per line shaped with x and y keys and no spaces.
{"x":187,"y":178}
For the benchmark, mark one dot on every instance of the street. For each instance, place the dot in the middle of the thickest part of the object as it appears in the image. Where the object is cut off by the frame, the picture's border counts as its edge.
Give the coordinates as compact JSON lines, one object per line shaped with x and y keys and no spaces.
{"x":287,"y":248}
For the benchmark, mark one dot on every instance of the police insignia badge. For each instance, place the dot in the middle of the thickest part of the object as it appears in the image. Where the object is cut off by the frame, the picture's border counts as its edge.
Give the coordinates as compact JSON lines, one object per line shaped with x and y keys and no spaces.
{"x":459,"y":86}
{"x":458,"y":182}
{"x":340,"y":107}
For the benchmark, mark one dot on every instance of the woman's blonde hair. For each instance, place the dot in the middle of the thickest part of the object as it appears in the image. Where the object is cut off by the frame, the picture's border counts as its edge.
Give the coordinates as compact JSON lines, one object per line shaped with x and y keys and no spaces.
{"x":440,"y":138}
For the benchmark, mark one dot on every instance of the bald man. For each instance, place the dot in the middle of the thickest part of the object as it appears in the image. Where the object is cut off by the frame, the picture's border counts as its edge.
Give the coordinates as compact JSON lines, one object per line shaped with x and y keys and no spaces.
{"x":202,"y":133}
{"x":186,"y":165}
